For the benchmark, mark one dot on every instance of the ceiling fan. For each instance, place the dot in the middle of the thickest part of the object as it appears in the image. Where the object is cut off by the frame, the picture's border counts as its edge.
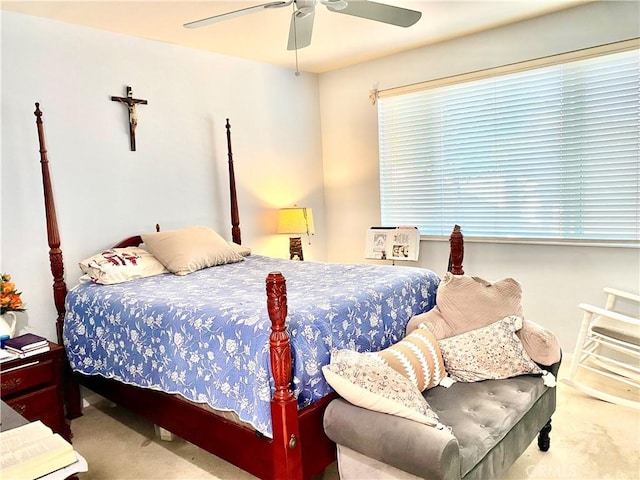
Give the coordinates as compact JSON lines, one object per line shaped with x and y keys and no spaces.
{"x":301,"y":25}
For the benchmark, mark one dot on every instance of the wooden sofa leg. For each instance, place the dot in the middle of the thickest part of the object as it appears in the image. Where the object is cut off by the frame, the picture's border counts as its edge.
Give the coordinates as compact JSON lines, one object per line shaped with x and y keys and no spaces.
{"x":544,"y":442}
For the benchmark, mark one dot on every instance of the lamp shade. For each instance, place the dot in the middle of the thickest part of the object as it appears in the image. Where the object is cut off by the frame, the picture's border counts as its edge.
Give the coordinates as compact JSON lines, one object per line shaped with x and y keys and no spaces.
{"x":295,"y":220}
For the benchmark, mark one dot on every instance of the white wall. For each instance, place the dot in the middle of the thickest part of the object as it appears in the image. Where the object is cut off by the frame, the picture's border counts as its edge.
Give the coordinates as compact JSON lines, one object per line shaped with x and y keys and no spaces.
{"x":554,"y":278}
{"x":178,"y":175}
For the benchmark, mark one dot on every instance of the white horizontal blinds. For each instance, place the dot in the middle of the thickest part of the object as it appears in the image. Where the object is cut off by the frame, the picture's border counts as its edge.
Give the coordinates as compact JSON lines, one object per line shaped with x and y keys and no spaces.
{"x":549,"y":153}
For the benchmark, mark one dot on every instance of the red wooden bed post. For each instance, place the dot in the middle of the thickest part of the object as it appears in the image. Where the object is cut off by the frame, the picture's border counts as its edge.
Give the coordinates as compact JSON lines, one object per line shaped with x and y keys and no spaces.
{"x":287,"y":453}
{"x":235,"y":216}
{"x":55,"y":254}
{"x":456,"y":242}
{"x":72,"y":390}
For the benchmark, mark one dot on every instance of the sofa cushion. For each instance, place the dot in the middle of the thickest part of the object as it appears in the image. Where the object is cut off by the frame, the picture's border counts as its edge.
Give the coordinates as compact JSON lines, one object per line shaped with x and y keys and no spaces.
{"x":465,"y":303}
{"x":481,"y":414}
{"x":491,"y":352}
{"x":367,"y":381}
{"x":417,"y":357}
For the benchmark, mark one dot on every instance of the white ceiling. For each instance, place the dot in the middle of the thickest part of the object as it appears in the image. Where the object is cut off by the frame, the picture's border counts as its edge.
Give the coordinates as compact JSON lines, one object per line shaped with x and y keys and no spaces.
{"x":338,"y":40}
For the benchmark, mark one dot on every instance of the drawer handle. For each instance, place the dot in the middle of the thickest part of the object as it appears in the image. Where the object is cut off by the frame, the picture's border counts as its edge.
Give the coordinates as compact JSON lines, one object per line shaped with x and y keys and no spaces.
{"x":20,"y":408}
{"x":11,"y":383}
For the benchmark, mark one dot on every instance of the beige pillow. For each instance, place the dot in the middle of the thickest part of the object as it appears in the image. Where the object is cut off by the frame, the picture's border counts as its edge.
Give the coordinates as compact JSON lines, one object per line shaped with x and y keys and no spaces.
{"x":190,"y":249}
{"x":118,"y":265}
{"x":240,"y":249}
{"x":541,"y":344}
{"x":417,"y":357}
{"x":465,"y":303}
{"x":366,"y":381}
{"x":491,"y":352}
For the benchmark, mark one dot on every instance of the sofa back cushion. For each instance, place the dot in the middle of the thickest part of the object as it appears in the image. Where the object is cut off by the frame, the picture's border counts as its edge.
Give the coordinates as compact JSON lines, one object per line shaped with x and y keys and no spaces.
{"x":465,"y":303}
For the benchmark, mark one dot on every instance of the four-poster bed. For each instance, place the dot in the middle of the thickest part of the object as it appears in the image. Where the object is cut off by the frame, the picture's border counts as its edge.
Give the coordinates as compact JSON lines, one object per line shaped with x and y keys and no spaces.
{"x":293,"y":444}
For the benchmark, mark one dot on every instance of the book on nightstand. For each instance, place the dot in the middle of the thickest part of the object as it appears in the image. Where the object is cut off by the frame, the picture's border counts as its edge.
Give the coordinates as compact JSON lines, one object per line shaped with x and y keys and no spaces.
{"x":33,"y":450}
{"x":27,"y":345}
{"x":5,"y":356}
{"x":26,"y":341}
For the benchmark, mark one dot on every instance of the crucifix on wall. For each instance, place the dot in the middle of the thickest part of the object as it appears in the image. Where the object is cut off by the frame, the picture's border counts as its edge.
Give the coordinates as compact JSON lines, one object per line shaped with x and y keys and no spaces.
{"x":131,"y":103}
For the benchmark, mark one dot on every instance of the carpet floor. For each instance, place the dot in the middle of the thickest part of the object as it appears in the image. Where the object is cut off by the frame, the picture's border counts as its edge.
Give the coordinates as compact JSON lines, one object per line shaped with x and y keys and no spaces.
{"x":591,"y":439}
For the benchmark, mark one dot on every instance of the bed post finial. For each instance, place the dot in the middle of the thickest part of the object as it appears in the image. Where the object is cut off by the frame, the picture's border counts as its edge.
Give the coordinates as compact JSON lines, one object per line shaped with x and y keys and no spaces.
{"x":287,"y":453}
{"x":55,"y":254}
{"x":456,"y":242}
{"x":279,"y":339}
{"x":235,"y":217}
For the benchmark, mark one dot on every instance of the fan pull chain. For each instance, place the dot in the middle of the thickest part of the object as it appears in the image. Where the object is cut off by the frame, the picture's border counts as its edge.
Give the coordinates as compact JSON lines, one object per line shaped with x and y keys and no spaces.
{"x":295,"y":39}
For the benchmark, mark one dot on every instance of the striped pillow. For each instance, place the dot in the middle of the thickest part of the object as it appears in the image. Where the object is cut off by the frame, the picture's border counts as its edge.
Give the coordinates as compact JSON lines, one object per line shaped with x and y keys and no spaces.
{"x":418,"y":358}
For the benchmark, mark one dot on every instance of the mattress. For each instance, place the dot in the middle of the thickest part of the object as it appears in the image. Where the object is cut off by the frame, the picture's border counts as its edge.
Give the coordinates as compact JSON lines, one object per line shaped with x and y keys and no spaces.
{"x":205,"y":335}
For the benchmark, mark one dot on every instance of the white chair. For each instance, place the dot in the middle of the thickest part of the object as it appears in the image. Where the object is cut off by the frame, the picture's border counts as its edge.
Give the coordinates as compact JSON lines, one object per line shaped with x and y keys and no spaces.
{"x":609,"y":345}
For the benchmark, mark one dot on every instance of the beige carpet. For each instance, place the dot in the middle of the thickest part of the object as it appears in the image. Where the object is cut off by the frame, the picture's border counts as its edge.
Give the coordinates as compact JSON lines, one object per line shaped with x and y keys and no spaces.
{"x":590,"y":439}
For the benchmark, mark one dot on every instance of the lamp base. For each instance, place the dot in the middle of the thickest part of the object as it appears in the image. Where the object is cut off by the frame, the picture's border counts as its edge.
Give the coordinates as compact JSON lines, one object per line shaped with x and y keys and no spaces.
{"x":295,"y":248}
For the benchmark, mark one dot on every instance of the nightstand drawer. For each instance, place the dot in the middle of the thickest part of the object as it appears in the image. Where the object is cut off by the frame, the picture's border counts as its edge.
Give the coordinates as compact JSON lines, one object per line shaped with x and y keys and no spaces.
{"x":36,"y":405}
{"x":27,"y":377}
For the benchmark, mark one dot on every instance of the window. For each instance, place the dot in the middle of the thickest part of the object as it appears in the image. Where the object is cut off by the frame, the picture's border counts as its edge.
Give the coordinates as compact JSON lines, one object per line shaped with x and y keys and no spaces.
{"x":550,"y":153}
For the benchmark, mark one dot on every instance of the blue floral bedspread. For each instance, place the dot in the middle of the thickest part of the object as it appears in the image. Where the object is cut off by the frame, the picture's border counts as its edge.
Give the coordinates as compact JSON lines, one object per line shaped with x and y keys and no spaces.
{"x":206,"y":335}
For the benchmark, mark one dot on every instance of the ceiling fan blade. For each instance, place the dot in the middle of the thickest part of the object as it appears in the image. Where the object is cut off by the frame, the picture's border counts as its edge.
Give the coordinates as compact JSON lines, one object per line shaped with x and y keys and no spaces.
{"x":300,"y":29}
{"x":379,"y":12}
{"x":236,"y":13}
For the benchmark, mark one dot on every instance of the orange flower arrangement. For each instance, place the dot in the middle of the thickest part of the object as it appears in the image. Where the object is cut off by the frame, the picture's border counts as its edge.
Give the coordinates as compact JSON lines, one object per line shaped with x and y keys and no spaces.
{"x":10,"y":298}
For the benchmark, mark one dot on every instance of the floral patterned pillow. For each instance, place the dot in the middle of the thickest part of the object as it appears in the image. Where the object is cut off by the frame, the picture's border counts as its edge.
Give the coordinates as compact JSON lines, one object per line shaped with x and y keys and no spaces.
{"x":491,"y":352}
{"x":366,"y":381}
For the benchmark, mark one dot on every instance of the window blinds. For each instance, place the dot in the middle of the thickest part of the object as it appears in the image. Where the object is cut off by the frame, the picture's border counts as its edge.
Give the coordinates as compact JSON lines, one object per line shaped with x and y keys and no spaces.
{"x":549,"y":153}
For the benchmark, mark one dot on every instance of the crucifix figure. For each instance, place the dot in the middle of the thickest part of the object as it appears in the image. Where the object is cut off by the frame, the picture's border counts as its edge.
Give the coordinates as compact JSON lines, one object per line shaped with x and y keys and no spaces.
{"x":131,"y":103}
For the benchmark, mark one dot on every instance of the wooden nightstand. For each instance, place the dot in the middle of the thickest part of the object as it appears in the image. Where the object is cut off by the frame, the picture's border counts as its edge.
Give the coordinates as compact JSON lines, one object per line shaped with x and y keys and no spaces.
{"x":32,"y":386}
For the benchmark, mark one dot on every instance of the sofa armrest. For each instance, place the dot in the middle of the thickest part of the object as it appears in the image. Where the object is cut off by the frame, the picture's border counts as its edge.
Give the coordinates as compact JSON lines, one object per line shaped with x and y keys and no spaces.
{"x":416,"y":448}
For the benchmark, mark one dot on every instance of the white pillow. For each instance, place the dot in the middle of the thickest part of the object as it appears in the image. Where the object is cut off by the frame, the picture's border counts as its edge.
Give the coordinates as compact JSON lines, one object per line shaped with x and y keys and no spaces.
{"x":118,"y":265}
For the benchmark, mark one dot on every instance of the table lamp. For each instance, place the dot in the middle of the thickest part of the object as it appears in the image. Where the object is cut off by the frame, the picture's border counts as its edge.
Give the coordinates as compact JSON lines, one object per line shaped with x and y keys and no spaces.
{"x":295,"y":220}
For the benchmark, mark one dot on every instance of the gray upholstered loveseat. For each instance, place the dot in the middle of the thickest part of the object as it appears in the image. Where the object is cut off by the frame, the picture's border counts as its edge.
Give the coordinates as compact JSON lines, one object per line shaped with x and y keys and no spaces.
{"x":493,"y":422}
{"x":492,"y":419}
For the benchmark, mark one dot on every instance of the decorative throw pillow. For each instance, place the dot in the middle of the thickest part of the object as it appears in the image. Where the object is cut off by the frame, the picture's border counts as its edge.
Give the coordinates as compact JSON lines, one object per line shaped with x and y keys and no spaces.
{"x":541,"y":344}
{"x":417,"y":357}
{"x":465,"y":303}
{"x":240,"y":249}
{"x":119,"y":265}
{"x":190,"y":249}
{"x":491,"y":352}
{"x":366,"y":381}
